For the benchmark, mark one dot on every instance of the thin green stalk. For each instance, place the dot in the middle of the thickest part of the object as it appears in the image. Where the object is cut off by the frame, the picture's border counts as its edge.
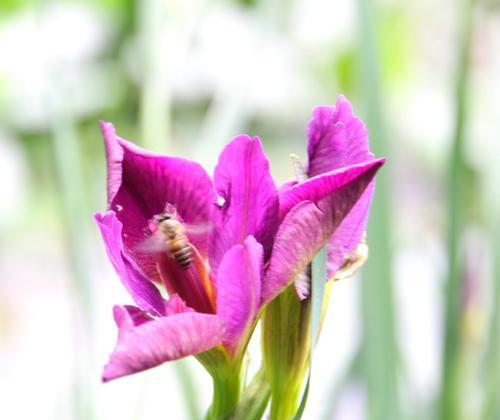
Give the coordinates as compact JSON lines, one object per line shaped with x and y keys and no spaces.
{"x":69,"y":179}
{"x":155,"y":117}
{"x":188,"y":389}
{"x":450,"y":393}
{"x":379,"y":351}
{"x":318,"y":287}
{"x":491,"y":403}
{"x":254,"y":400}
{"x":226,"y":116}
{"x":155,"y":97}
{"x":70,"y":185}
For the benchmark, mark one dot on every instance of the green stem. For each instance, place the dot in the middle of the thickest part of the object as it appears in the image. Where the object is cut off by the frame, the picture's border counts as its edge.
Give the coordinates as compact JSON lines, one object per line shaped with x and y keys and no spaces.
{"x":450,"y":396}
{"x":491,"y":404}
{"x":226,"y":379}
{"x":226,"y":395}
{"x":155,"y":97}
{"x":188,"y":387}
{"x":72,"y":201}
{"x":379,"y":348}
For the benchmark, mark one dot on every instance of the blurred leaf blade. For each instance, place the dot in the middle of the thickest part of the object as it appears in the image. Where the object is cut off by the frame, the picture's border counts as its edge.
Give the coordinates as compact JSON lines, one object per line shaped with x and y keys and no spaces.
{"x":68,"y":174}
{"x":491,"y":403}
{"x":379,"y":352}
{"x":189,"y":390}
{"x":450,"y":401}
{"x":318,"y":276}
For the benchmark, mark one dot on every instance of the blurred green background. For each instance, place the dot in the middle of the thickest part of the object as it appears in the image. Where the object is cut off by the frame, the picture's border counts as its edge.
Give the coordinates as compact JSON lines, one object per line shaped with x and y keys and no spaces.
{"x":415,"y":336}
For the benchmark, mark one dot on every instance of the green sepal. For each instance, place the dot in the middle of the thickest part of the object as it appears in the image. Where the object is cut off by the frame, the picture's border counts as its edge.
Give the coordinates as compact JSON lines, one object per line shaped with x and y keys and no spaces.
{"x":286,"y":345}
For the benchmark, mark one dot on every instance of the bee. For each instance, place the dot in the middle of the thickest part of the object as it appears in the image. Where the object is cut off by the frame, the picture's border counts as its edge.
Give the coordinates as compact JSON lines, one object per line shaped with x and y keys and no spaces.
{"x":176,"y":240}
{"x":169,"y":234}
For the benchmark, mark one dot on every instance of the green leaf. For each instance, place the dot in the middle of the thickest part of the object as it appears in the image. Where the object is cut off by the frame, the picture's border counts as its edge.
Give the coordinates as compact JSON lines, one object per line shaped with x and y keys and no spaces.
{"x":457,"y":174}
{"x":318,"y":280}
{"x":188,"y":387}
{"x":379,"y":347}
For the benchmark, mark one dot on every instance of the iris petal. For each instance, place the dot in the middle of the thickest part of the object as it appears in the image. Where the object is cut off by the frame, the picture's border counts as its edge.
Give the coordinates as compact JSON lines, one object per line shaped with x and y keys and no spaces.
{"x":338,"y":138}
{"x":141,"y":183}
{"x":250,"y":199}
{"x":350,"y":231}
{"x":145,"y":293}
{"x":306,"y":228}
{"x":150,"y":343}
{"x":321,"y":186}
{"x":238,"y":287}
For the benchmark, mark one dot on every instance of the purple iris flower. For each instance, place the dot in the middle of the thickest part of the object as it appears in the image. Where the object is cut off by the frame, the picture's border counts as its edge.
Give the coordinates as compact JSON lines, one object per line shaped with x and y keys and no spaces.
{"x":337,"y":142}
{"x":258,"y":238}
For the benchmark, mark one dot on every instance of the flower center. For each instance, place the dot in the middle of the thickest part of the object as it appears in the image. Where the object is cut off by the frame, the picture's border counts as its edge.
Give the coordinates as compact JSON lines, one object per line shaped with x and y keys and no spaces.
{"x":179,"y":263}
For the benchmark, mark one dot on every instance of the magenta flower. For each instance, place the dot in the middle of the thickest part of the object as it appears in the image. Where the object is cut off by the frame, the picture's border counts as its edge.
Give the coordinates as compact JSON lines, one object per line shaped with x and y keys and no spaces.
{"x":337,"y":144}
{"x":257,"y":242}
{"x":338,"y":151}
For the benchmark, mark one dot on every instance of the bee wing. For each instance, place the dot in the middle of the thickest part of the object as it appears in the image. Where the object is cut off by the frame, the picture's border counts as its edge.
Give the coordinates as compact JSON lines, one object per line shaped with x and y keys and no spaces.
{"x":198,"y":229}
{"x":152,"y":245}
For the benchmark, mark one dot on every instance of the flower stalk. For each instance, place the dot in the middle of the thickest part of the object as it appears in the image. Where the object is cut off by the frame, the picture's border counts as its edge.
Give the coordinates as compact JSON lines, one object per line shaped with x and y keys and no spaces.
{"x":226,"y":395}
{"x":226,"y":380}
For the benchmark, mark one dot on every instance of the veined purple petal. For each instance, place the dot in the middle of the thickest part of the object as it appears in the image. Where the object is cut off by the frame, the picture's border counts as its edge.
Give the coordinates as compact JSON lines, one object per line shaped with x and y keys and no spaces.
{"x":336,"y":138}
{"x":141,"y":183}
{"x":306,"y":228}
{"x":350,"y":231}
{"x":128,"y":316}
{"x":238,"y":289}
{"x":243,"y":181}
{"x":145,"y":293}
{"x":295,"y":244}
{"x":286,"y":186}
{"x":320,"y":186}
{"x":151,"y":343}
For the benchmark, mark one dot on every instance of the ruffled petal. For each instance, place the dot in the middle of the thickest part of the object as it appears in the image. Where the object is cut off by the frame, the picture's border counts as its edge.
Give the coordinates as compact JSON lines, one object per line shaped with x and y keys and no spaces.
{"x":250,"y":200}
{"x":336,"y":138}
{"x":144,"y":293}
{"x":321,"y":186}
{"x":149,"y":343}
{"x":305,"y":229}
{"x":141,"y":183}
{"x":238,"y":290}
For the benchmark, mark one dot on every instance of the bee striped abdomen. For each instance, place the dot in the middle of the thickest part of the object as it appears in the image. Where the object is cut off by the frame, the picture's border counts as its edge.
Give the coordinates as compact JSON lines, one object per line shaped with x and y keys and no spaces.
{"x":178,"y":244}
{"x":181,"y":251}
